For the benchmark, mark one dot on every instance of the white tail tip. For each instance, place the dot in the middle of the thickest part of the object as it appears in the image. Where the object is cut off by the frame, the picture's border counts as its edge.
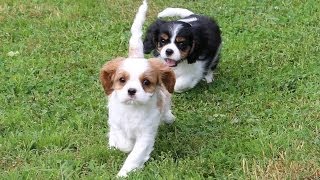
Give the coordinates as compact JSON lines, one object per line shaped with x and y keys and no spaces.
{"x":170,"y":12}
{"x":135,"y":43}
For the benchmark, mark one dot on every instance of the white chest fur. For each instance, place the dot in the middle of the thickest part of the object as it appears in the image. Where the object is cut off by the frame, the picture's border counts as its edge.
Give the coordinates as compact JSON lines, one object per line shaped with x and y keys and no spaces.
{"x":133,"y":128}
{"x":188,"y":75}
{"x":134,"y":119}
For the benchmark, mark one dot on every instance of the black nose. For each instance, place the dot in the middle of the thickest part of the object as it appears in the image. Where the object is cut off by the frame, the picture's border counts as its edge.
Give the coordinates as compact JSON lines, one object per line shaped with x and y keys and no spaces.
{"x":169,"y":52}
{"x":132,"y":91}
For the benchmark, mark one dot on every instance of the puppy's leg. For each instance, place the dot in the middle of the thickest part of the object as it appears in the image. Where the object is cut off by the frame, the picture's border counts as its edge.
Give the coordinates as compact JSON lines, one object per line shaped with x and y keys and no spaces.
{"x":168,"y":117}
{"x":209,"y":77}
{"x":213,"y":65}
{"x":117,"y":139}
{"x":139,"y":154}
{"x":184,"y":83}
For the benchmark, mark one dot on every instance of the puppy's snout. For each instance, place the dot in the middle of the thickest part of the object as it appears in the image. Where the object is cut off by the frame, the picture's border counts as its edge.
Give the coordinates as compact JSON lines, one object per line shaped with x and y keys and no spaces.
{"x":132,"y":91}
{"x":169,"y":52}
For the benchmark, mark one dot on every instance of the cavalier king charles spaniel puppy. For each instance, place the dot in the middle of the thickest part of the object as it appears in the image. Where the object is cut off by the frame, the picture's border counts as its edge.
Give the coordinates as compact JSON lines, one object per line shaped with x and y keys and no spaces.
{"x":191,"y":46}
{"x":139,"y":99}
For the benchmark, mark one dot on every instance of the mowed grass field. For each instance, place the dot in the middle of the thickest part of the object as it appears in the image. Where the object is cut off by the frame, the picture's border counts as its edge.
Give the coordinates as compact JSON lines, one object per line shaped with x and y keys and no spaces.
{"x":260,"y":119}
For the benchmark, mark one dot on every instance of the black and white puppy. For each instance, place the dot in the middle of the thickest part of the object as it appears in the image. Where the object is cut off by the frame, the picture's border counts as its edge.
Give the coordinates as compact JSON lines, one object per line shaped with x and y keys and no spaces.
{"x":191,"y":46}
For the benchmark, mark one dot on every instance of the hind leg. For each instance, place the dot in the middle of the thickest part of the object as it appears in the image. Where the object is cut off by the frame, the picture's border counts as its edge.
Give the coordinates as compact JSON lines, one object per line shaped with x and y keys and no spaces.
{"x":209,"y":77}
{"x":185,"y":83}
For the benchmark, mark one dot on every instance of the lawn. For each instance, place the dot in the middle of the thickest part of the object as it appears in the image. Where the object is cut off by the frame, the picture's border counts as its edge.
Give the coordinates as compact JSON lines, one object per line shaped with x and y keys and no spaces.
{"x":260,"y":119}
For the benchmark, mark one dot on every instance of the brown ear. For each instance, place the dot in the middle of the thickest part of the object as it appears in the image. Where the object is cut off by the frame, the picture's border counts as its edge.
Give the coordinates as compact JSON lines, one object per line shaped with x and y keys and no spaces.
{"x":169,"y":79}
{"x":107,"y":73}
{"x":166,"y":75}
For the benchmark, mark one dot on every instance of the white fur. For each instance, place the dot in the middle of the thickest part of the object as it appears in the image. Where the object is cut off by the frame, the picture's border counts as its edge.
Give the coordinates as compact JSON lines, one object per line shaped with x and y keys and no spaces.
{"x":188,"y":20}
{"x":169,"y":12}
{"x":188,"y":75}
{"x":135,"y":42}
{"x":133,"y":121}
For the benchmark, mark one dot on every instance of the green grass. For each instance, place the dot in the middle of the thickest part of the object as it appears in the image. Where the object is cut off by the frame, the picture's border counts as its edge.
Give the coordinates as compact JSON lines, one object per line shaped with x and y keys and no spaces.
{"x":260,"y":119}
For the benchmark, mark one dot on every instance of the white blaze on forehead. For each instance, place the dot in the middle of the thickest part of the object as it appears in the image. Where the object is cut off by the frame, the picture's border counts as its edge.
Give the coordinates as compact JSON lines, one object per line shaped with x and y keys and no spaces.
{"x":135,"y":66}
{"x":174,"y":31}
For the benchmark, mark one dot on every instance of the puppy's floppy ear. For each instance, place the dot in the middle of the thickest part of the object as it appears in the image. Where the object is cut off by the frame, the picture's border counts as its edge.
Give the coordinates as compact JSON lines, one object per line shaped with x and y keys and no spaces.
{"x":197,"y":45}
{"x":194,"y":52}
{"x":107,"y":73}
{"x":167,"y":78}
{"x":151,"y":40}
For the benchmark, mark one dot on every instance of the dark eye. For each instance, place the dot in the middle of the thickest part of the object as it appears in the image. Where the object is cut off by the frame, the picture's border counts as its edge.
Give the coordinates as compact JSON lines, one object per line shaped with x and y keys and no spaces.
{"x":182,"y":45}
{"x":164,"y":41}
{"x":146,"y":82}
{"x":122,"y":80}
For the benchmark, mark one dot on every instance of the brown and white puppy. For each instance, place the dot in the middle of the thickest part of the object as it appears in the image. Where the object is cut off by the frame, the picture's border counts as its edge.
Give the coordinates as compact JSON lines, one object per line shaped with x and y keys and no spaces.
{"x":139,"y":98}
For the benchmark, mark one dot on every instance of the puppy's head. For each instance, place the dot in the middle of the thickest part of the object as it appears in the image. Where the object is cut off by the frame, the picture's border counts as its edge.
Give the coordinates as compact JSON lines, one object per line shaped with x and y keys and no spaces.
{"x":173,"y":41}
{"x":136,"y":80}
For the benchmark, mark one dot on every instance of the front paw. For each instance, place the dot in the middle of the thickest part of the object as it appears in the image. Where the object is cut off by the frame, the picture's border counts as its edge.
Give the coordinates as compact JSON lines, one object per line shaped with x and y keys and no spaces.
{"x":122,"y":173}
{"x":112,"y":144}
{"x":121,"y":143}
{"x":169,"y":118}
{"x":209,"y":77}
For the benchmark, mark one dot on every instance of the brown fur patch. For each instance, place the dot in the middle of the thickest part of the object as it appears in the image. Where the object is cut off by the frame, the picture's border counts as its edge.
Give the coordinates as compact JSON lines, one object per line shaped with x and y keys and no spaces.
{"x":164,"y":36}
{"x":149,"y":80}
{"x":164,"y":73}
{"x":107,"y":74}
{"x":180,"y":39}
{"x":184,"y":54}
{"x":160,"y":103}
{"x":120,"y":79}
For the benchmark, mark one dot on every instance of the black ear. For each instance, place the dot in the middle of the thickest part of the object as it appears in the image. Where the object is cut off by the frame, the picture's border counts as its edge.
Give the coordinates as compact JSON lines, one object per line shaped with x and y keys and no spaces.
{"x":194,"y":52}
{"x":196,"y":47}
{"x":151,"y":39}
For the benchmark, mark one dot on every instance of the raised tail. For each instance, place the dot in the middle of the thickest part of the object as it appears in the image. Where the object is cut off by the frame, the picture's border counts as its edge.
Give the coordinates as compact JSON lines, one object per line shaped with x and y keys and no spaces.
{"x":135,"y":42}
{"x":170,"y":12}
